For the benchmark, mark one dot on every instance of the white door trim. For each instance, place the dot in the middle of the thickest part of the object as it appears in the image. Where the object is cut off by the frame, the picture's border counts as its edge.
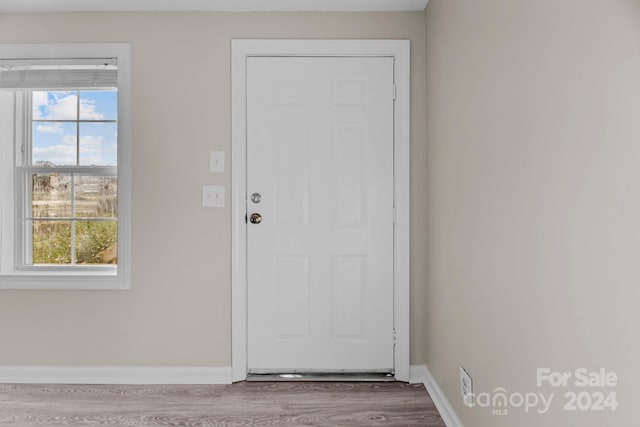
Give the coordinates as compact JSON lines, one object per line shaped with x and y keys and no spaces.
{"x":240,"y":50}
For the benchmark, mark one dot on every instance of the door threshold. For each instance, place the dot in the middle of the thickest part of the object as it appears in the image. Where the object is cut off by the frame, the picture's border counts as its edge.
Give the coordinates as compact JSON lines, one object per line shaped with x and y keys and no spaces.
{"x":322,"y":376}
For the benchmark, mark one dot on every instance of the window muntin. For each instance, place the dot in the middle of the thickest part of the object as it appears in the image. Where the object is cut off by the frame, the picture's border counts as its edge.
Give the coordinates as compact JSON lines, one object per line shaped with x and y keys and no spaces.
{"x":74,"y":128}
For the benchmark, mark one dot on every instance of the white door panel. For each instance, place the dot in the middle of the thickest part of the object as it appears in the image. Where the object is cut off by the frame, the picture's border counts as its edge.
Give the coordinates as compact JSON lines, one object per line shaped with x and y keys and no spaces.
{"x":320,"y":264}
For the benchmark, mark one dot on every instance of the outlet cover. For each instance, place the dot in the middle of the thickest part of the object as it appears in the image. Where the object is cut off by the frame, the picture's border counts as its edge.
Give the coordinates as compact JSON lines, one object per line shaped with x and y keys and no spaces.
{"x":466,"y":387}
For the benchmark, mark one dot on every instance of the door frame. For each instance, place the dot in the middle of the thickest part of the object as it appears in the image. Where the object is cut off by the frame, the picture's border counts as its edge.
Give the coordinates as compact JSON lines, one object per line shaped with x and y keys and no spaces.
{"x":241,"y":49}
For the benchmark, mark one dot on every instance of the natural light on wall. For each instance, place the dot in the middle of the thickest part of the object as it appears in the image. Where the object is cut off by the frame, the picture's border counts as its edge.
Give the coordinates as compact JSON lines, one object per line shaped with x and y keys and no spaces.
{"x":62,"y":182}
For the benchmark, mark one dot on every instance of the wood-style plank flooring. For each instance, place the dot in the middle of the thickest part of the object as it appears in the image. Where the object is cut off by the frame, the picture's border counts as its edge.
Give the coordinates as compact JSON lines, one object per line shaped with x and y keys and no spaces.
{"x":241,"y":404}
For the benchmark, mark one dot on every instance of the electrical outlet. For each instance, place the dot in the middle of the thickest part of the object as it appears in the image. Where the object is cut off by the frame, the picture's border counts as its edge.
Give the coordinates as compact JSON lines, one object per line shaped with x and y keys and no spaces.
{"x":466,"y":387}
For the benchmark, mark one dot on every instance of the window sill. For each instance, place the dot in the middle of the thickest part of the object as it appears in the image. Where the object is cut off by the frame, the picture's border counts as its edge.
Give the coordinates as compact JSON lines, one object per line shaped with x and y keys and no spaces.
{"x":81,"y":280}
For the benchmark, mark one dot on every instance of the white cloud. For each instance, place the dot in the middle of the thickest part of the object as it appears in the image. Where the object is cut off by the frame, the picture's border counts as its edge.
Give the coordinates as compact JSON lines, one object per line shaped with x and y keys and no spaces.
{"x":57,"y":154}
{"x":69,"y":139}
{"x":50,"y":128}
{"x":63,"y":106}
{"x":60,"y":154}
{"x":88,"y":110}
{"x":93,"y":151}
{"x":39,"y":101}
{"x":91,"y":144}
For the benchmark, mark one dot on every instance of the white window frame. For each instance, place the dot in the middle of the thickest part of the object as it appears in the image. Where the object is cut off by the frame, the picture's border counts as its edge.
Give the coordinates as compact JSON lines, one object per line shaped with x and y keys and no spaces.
{"x":13,"y":275}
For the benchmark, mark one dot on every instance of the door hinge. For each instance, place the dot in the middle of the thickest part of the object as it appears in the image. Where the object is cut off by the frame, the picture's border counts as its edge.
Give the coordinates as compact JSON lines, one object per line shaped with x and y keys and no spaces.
{"x":394,"y":92}
{"x":394,"y":337}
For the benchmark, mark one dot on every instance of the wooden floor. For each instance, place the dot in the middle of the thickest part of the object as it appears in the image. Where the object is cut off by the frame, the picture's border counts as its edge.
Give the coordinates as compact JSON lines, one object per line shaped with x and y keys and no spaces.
{"x":241,"y":404}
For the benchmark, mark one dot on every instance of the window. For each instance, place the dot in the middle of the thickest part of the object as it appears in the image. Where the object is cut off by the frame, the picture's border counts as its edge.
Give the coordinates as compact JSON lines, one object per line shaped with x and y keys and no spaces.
{"x":65,"y":166}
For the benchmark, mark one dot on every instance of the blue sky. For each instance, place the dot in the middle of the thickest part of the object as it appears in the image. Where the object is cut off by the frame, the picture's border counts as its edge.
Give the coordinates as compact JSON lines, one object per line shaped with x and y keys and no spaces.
{"x":55,"y":142}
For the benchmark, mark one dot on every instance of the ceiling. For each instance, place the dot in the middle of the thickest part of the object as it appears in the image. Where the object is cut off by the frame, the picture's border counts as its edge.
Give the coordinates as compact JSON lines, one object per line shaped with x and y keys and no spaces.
{"x":209,"y":5}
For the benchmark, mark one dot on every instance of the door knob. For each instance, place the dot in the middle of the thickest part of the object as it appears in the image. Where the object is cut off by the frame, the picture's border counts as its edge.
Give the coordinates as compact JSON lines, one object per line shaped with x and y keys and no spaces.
{"x":255,"y":218}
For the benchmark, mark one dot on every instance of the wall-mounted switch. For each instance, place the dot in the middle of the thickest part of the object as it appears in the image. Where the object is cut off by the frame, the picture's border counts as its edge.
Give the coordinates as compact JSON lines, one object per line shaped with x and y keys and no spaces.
{"x":212,"y":196}
{"x":216,"y":161}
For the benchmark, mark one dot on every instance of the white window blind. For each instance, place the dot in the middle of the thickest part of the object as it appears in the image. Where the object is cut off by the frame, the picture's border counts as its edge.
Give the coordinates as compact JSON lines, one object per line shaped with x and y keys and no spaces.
{"x":58,"y":73}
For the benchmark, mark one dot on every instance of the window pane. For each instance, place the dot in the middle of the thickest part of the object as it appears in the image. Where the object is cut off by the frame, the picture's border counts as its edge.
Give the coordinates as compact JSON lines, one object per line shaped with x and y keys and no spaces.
{"x":51,"y":196}
{"x":96,"y":242}
{"x":96,"y":196}
{"x":51,"y":242}
{"x":99,"y":105}
{"x":98,"y":144}
{"x":53,"y":105}
{"x":54,"y":143}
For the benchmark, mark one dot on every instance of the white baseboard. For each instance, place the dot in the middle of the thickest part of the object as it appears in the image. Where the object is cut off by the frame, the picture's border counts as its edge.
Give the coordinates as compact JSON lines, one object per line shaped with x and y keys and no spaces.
{"x":421,"y":374}
{"x":182,"y":375}
{"x":114,"y":375}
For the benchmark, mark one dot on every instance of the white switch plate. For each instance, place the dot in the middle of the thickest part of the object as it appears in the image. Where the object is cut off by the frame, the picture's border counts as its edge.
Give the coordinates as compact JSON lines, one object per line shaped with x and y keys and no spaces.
{"x":216,"y":161}
{"x":212,"y":196}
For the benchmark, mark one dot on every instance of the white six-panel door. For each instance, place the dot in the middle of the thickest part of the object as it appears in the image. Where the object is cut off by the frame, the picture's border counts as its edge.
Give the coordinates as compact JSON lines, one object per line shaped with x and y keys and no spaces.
{"x":320,"y":263}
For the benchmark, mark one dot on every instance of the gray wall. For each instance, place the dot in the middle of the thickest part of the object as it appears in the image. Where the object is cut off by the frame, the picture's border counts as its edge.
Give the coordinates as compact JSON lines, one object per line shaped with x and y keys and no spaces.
{"x":178,"y":310}
{"x":533,"y":190}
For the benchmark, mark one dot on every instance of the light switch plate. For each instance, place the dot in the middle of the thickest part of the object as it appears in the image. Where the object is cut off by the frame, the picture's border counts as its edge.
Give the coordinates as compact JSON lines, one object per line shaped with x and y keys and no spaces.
{"x":216,"y":161}
{"x":212,"y":196}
